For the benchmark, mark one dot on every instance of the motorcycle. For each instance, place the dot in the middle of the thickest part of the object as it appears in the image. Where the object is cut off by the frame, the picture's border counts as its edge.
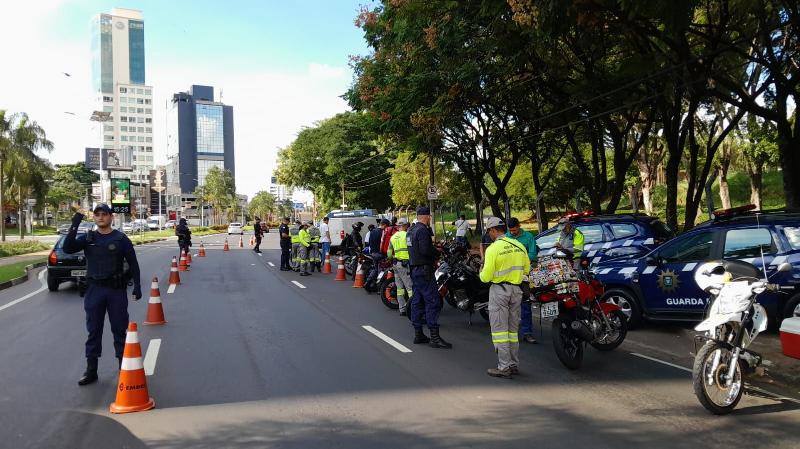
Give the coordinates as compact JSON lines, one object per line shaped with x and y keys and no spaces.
{"x":733,"y":321}
{"x":460,"y":285}
{"x":387,"y":289}
{"x":572,"y":299}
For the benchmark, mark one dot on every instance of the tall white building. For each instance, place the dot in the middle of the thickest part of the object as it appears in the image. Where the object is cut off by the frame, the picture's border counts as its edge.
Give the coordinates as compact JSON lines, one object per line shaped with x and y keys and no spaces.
{"x":118,"y":69}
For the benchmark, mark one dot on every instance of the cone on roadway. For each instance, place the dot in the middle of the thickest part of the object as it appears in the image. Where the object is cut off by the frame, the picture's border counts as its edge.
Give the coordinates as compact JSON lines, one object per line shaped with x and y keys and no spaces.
{"x":174,"y":277}
{"x":341,"y":275}
{"x":241,"y":242}
{"x":155,"y":312}
{"x":327,"y":267}
{"x":183,"y":266}
{"x":132,"y":394}
{"x":188,"y":257}
{"x":226,"y":247}
{"x":202,"y":251}
{"x":359,"y":281}
{"x":252,"y":240}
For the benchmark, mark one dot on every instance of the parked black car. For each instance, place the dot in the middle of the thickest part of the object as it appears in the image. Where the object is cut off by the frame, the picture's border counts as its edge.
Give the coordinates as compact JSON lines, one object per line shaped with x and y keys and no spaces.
{"x":66,"y":267}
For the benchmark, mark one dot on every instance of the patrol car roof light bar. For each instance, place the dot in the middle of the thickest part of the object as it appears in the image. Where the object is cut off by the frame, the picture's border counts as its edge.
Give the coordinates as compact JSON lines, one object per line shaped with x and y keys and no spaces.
{"x":586,"y":213}
{"x":732,"y":212}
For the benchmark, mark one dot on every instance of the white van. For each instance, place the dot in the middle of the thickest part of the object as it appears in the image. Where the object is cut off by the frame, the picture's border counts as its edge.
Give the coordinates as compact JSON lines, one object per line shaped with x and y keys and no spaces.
{"x":341,"y":223}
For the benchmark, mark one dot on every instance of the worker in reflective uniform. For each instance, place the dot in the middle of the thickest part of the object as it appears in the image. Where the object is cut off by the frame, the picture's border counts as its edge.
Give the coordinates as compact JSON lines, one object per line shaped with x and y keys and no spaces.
{"x":314,"y":259}
{"x":294,"y":233}
{"x":571,"y":240}
{"x":303,"y":250}
{"x":398,"y":252}
{"x":106,"y":251}
{"x":505,"y":266}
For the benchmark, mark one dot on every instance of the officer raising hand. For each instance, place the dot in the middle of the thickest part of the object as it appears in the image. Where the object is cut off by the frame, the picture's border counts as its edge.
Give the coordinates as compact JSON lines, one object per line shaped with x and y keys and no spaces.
{"x":106,"y":252}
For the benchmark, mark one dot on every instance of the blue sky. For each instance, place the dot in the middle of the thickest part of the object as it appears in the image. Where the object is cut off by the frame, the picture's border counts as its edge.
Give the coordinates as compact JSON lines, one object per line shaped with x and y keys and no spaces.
{"x":282,"y":65}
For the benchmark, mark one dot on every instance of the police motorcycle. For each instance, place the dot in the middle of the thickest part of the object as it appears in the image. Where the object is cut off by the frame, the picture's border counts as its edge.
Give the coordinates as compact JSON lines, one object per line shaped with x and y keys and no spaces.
{"x":572,"y":299}
{"x":733,"y":321}
{"x":387,"y":288}
{"x":459,"y":283}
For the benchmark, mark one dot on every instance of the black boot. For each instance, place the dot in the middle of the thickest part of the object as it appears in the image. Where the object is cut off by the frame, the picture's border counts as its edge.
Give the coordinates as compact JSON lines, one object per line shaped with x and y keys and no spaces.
{"x":119,"y":359}
{"x":437,"y":341}
{"x":420,"y":337}
{"x":90,"y":375}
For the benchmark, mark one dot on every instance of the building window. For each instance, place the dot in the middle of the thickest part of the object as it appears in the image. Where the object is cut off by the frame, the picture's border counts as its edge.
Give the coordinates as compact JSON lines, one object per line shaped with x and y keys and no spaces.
{"x":148,"y":92}
{"x":123,"y":128}
{"x":141,"y":138}
{"x":203,"y":166}
{"x":148,"y":120}
{"x":108,"y":137}
{"x":139,"y":120}
{"x":210,"y":137}
{"x":140,"y":129}
{"x":148,"y":139}
{"x":147,"y":101}
{"x":108,"y":99}
{"x":123,"y":138}
{"x":108,"y":127}
{"x":140,"y":91}
{"x":148,"y":111}
{"x":123,"y":90}
{"x":140,"y":110}
{"x":140,"y":101}
{"x":123,"y":109}
{"x":149,"y":149}
{"x":148,"y":130}
{"x":123,"y":118}
{"x":131,"y":119}
{"x":108,"y":108}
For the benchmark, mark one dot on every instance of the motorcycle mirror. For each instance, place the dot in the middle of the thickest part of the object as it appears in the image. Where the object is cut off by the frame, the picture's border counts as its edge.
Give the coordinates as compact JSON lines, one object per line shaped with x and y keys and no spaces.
{"x":719,"y":269}
{"x":784,"y":267}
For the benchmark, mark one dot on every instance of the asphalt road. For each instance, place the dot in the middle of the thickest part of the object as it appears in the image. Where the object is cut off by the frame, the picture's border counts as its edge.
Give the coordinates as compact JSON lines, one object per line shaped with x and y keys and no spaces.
{"x":250,"y":358}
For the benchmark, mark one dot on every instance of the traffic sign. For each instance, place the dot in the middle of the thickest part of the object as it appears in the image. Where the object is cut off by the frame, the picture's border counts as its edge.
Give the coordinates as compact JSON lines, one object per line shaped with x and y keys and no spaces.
{"x":433,"y":192}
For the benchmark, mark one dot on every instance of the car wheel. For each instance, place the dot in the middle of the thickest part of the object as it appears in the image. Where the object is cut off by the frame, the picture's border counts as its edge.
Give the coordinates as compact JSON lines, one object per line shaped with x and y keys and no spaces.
{"x":628,"y":303}
{"x":792,"y":307}
{"x":52,"y":283}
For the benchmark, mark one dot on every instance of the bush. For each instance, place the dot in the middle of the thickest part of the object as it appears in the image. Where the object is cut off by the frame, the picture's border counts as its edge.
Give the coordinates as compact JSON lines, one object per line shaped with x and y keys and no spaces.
{"x":219,"y":227}
{"x":21,"y":247}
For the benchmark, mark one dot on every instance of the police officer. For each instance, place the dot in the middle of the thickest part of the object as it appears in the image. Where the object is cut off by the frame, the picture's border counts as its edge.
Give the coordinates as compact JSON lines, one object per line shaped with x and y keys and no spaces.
{"x":304,"y":245}
{"x":294,"y":232}
{"x":398,"y":251}
{"x":505,"y":265}
{"x":106,"y":250}
{"x":425,"y":301}
{"x":258,"y":232}
{"x":571,"y":240}
{"x":184,"y":235}
{"x":286,"y":244}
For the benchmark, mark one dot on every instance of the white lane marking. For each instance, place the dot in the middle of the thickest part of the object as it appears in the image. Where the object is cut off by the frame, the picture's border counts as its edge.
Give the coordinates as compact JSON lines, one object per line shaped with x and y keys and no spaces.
{"x":270,"y":263}
{"x":252,"y":264}
{"x":171,"y":288}
{"x":150,"y":356}
{"x":259,"y":254}
{"x":386,"y":338}
{"x":649,"y":270}
{"x":689,"y":266}
{"x":29,"y":295}
{"x":661,"y":362}
{"x":298,"y":284}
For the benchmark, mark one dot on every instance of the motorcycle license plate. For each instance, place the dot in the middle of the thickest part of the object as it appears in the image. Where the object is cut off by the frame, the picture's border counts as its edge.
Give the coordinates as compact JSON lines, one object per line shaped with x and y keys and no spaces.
{"x":549,"y":309}
{"x":78,"y":273}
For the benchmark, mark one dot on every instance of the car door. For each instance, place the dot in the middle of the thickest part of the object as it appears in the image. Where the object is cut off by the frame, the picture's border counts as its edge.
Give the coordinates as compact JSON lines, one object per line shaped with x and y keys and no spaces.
{"x":594,"y":240}
{"x":667,"y":282}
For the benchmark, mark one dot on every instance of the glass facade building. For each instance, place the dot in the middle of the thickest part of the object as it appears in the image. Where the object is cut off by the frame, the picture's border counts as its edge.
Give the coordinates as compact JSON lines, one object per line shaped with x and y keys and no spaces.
{"x":136,"y":51}
{"x":210,"y":137}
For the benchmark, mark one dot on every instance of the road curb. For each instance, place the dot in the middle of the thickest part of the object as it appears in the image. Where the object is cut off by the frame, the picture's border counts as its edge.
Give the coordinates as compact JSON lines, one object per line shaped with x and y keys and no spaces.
{"x":24,"y":277}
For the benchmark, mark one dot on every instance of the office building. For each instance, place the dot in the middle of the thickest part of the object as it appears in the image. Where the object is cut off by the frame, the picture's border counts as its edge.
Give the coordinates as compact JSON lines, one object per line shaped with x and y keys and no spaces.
{"x":118,"y":72}
{"x":280,"y":191}
{"x":199,"y":137}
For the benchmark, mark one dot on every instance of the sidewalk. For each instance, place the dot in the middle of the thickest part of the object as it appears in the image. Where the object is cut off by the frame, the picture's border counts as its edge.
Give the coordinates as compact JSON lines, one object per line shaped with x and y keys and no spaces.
{"x":23,"y":257}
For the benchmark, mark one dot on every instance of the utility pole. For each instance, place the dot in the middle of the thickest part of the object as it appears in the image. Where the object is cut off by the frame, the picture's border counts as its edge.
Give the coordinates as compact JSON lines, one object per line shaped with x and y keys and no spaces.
{"x":432,"y":181}
{"x":343,"y":205}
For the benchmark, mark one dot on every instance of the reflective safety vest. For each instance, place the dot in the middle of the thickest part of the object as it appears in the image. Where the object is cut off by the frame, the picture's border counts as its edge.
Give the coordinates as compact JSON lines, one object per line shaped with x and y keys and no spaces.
{"x":304,"y":238}
{"x":294,"y":232}
{"x":574,"y":243}
{"x":506,"y":262}
{"x":398,"y":247}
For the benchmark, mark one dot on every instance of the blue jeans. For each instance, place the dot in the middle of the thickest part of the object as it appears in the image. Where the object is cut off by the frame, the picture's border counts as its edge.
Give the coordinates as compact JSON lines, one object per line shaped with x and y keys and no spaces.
{"x":526,"y":320}
{"x":97,"y":302}
{"x":326,"y":248}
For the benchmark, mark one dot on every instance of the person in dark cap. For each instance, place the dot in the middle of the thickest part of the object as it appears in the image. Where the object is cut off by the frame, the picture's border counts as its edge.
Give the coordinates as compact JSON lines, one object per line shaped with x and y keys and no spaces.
{"x":106,"y":250}
{"x":425,"y":300}
{"x":376,"y":252}
{"x":184,"y":235}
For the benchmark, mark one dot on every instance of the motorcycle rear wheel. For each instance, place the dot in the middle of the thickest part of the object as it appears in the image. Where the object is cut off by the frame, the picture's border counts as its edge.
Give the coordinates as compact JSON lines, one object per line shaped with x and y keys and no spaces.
{"x":716,"y":398}
{"x":388,"y":294}
{"x":619,"y":321}
{"x":569,"y":349}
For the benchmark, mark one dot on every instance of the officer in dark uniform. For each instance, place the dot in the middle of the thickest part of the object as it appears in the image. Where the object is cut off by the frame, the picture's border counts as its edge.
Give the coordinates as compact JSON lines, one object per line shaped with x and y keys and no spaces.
{"x":106,"y":252}
{"x":425,"y":300}
{"x":184,"y":235}
{"x":258,"y":233}
{"x":286,"y":244}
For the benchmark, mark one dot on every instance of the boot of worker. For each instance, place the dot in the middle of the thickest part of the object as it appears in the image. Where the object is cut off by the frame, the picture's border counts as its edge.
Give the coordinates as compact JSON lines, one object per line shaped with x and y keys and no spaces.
{"x":420,"y":338}
{"x":437,"y":341}
{"x":90,"y":375}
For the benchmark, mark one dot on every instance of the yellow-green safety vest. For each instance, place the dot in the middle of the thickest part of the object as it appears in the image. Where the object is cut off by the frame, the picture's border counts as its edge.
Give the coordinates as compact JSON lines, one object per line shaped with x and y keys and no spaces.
{"x":506,"y":261}
{"x":294,"y":232}
{"x":398,"y":247}
{"x":304,"y":238}
{"x":577,"y":243}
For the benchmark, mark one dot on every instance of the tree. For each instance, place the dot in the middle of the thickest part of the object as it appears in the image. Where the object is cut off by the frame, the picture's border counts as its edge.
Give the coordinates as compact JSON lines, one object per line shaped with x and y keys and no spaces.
{"x":20,"y":139}
{"x":758,"y":150}
{"x":263,"y":205}
{"x":219,"y":190}
{"x":410,"y":176}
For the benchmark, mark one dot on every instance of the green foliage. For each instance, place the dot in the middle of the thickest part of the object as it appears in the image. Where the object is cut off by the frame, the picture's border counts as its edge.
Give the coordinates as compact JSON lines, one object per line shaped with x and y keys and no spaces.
{"x":18,"y":247}
{"x":15,"y":270}
{"x":263,"y":205}
{"x":411,"y":175}
{"x":219,"y":190}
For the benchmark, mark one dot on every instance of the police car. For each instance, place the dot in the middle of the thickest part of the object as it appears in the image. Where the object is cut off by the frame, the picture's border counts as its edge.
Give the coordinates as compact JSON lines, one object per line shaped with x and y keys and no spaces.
{"x":660,"y":284}
{"x":606,"y":236}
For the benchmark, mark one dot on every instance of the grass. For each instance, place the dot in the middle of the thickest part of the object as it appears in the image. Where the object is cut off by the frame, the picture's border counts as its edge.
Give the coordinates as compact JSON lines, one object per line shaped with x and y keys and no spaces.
{"x":15,"y":248}
{"x":15,"y":270}
{"x":154,"y":236}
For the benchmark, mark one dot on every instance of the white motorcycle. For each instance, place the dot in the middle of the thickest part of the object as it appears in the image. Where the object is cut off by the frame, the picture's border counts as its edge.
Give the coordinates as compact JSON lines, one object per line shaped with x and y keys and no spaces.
{"x":733,"y":321}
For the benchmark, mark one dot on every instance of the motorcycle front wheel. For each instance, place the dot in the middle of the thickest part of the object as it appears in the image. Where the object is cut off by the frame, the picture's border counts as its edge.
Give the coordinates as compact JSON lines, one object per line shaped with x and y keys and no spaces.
{"x":569,"y":349}
{"x":710,"y":366}
{"x":388,"y":293}
{"x":616,"y":335}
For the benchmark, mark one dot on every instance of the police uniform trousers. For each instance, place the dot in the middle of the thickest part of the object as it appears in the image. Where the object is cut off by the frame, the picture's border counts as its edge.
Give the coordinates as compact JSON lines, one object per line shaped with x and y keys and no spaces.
{"x":425,"y":301}
{"x":504,"y":314}
{"x":258,"y":243}
{"x":286,"y":249}
{"x":96,"y":303}
{"x":302,"y":257}
{"x":296,"y":255}
{"x":402,"y":279}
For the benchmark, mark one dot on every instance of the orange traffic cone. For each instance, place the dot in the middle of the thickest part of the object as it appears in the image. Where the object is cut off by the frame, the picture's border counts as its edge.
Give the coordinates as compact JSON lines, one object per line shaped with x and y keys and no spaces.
{"x":341,"y":275}
{"x":183,"y":266}
{"x":252,"y":241}
{"x":132,"y":394}
{"x":188,"y":257}
{"x":327,"y":267}
{"x":202,"y":251}
{"x":155,"y":312}
{"x":174,"y":277}
{"x":226,"y":247}
{"x":241,"y":242}
{"x":359,"y":282}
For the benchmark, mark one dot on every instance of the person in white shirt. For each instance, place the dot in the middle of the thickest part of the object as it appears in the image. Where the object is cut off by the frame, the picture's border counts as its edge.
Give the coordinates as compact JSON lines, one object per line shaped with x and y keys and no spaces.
{"x":324,"y":238}
{"x":462,"y":226}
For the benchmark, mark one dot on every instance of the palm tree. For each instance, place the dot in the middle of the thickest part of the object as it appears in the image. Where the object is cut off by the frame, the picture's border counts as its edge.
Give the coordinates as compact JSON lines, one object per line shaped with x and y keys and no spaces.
{"x":20,"y":138}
